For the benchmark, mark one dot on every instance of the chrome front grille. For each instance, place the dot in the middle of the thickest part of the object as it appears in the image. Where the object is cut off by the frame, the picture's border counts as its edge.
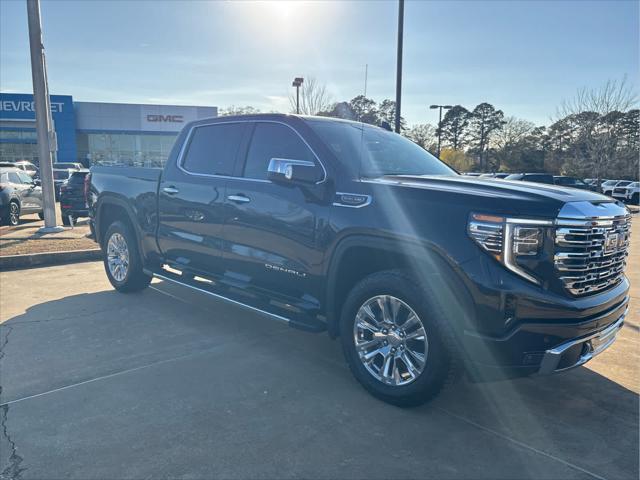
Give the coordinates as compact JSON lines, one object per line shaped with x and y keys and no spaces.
{"x":590,"y":255}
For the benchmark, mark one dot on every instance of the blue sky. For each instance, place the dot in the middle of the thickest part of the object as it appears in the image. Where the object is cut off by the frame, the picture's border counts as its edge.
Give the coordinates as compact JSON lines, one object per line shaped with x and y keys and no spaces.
{"x":525,"y":57}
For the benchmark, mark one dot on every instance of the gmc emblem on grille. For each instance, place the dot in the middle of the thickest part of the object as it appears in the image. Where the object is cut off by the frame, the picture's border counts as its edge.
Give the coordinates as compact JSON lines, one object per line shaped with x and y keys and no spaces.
{"x":611,"y":242}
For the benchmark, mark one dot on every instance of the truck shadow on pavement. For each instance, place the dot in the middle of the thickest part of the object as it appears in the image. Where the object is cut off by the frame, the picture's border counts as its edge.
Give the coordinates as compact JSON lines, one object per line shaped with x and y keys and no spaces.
{"x":71,"y":347}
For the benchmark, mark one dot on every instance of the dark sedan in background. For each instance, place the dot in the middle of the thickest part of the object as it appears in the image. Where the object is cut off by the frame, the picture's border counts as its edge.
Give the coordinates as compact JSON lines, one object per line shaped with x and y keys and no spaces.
{"x":19,"y":194}
{"x":73,"y":197}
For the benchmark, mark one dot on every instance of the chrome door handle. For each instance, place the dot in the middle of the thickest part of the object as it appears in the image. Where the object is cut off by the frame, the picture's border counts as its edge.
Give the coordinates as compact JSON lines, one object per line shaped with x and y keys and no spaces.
{"x":170,"y":190}
{"x":238,"y":198}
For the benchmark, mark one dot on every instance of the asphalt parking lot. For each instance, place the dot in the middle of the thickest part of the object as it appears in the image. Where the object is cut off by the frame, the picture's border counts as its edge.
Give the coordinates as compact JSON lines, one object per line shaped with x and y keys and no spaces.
{"x":97,"y":384}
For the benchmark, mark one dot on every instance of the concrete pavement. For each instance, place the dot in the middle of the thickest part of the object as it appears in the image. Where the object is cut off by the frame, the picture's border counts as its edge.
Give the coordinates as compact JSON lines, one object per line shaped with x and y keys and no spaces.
{"x":97,"y":384}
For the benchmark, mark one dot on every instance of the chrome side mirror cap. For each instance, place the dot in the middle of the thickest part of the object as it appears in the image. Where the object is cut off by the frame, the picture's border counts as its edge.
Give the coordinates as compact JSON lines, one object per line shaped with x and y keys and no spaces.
{"x":294,"y":171}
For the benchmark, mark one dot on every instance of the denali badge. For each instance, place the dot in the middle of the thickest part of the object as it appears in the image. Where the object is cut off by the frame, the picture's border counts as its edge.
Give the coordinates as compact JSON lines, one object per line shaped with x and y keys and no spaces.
{"x":268,"y":266}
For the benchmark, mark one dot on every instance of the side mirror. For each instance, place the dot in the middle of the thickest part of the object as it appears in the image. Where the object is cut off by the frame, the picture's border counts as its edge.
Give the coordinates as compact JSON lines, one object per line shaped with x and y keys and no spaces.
{"x":293,"y":171}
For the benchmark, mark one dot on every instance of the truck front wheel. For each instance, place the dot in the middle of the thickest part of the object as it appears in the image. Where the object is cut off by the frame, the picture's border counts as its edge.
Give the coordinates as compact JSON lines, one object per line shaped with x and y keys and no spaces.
{"x":396,"y":340}
{"x":122,"y":260}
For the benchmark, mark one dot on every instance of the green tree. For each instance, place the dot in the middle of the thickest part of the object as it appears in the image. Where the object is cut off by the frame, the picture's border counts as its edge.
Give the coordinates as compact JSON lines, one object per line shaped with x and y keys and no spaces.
{"x":365,"y":110}
{"x":387,"y":113}
{"x":454,"y":126}
{"x":484,"y":121}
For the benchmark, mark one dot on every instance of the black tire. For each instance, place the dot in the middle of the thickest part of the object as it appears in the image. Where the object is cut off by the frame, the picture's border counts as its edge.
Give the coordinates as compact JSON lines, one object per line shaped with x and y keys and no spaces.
{"x":65,"y":220}
{"x":12,"y":216}
{"x":635,"y":199}
{"x":442,"y":364}
{"x":41,"y":215}
{"x":134,"y":279}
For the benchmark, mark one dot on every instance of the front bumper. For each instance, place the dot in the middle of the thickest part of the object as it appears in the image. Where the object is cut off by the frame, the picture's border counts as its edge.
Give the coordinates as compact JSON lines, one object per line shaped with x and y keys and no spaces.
{"x":579,"y":351}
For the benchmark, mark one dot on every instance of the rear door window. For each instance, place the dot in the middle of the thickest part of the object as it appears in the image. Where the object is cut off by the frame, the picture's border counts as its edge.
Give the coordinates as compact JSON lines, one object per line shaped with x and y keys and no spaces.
{"x":212,"y":149}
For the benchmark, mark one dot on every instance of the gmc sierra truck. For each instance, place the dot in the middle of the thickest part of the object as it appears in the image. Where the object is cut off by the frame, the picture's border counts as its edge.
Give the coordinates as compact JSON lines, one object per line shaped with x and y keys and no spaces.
{"x":337,"y":226}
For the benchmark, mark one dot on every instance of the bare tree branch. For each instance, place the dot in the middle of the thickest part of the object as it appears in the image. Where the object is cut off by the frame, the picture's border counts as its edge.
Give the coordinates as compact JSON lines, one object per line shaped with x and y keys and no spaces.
{"x":314,"y":97}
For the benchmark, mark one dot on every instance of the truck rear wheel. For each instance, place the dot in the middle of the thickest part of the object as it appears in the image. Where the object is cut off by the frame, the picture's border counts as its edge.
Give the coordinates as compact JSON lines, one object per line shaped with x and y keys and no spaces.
{"x":122,"y":261}
{"x":396,"y":339}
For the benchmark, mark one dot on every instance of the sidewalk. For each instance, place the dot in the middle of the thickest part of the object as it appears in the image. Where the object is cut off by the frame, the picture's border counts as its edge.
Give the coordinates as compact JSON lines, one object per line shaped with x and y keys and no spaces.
{"x":25,"y":239}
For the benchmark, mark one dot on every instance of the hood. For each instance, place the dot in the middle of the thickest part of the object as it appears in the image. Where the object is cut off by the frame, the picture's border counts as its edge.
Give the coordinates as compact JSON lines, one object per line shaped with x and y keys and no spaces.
{"x":509,"y":195}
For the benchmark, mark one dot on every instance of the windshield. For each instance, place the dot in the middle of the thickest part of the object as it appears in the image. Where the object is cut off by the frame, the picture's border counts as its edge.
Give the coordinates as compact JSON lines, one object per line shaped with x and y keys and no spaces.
{"x":379,"y":152}
{"x":64,"y":165}
{"x":61,"y":174}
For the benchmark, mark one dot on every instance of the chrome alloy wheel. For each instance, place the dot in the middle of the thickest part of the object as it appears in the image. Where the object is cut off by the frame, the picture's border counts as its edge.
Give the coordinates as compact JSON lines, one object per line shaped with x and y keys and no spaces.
{"x":390,"y":340}
{"x":14,"y":213}
{"x":118,"y":257}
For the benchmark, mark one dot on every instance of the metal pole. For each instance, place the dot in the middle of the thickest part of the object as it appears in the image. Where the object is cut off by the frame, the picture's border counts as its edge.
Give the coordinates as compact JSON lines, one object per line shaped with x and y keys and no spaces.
{"x":399,"y":64}
{"x":298,"y":99}
{"x":439,"y":129}
{"x":45,"y":133}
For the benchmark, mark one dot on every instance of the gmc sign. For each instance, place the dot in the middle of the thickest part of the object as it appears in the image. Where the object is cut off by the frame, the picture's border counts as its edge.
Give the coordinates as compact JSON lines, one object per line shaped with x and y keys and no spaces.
{"x":165,"y":118}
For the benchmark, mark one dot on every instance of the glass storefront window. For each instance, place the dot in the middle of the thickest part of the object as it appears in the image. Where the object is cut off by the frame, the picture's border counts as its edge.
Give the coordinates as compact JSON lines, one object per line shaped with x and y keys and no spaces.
{"x":139,"y":150}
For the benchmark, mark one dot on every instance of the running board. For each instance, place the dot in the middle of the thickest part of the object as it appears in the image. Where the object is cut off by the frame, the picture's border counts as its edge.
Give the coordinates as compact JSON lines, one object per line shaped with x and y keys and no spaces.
{"x":272,"y":316}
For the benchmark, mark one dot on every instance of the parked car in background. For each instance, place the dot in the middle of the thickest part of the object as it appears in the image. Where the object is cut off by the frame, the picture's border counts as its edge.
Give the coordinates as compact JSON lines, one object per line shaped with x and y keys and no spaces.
{"x":494,"y":175}
{"x":59,"y":177}
{"x":69,"y":165}
{"x":628,"y":193}
{"x":572,"y":182}
{"x":27,"y":167}
{"x":531,"y":177}
{"x":610,"y":185}
{"x":73,"y":197}
{"x":19,"y":194}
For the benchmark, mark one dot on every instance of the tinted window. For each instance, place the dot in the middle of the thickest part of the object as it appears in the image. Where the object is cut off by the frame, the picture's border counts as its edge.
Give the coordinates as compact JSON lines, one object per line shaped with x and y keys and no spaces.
{"x":377,"y":151}
{"x":14,"y":178}
{"x":212,"y":149}
{"x":60,"y":174}
{"x":273,"y":140}
{"x":25,"y":177}
{"x":539,"y":178}
{"x":77,"y":178}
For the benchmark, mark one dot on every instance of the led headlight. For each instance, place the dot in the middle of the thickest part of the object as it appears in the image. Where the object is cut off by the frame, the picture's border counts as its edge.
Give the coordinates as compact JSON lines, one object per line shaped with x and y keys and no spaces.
{"x":507,"y":239}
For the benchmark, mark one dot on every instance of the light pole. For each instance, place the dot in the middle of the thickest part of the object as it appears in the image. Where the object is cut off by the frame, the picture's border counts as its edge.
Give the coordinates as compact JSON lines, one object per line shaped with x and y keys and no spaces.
{"x":296,"y":83}
{"x":399,"y":63}
{"x":47,"y":143}
{"x":440,"y":107}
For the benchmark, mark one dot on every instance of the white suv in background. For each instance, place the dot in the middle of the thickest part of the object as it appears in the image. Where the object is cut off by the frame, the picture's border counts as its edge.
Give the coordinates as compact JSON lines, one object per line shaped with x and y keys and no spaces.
{"x":630,"y":193}
{"x":610,"y":185}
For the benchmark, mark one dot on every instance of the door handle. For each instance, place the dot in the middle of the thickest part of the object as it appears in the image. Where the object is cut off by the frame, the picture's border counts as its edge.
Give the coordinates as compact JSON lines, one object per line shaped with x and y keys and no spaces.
{"x":238,"y":198}
{"x":170,"y":190}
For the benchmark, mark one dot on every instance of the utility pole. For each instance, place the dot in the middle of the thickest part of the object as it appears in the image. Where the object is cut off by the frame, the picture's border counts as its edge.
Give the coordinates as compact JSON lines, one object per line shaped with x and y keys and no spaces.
{"x":399,"y":64}
{"x":440,"y":107}
{"x":47,"y":142}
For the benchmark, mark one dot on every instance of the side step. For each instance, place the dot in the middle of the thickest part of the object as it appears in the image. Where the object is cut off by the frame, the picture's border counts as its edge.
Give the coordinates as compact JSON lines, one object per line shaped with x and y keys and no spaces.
{"x":293,"y":322}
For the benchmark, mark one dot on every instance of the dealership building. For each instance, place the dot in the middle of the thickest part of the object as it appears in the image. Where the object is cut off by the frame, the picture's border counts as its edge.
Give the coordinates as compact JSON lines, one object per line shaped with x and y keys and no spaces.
{"x":95,"y":133}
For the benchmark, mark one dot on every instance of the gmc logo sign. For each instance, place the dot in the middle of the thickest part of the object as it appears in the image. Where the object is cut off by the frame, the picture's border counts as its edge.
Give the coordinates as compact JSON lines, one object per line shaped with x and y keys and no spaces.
{"x":165,"y":118}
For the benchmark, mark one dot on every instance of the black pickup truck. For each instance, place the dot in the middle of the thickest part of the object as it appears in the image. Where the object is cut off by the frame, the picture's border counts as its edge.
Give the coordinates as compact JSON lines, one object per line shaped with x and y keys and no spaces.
{"x":337,"y":226}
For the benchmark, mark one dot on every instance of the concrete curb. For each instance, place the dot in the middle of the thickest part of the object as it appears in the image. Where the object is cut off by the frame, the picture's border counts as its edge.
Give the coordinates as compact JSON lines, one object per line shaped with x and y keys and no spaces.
{"x":15,"y":262}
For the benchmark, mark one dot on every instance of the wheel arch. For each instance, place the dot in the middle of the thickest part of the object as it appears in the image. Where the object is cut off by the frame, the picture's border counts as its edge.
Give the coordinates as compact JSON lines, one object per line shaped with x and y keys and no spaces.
{"x":358,"y":256}
{"x":111,"y":209}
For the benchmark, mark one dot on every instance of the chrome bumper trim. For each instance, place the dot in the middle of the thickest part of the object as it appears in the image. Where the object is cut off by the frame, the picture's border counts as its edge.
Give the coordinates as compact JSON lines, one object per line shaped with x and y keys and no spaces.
{"x":594,"y":344}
